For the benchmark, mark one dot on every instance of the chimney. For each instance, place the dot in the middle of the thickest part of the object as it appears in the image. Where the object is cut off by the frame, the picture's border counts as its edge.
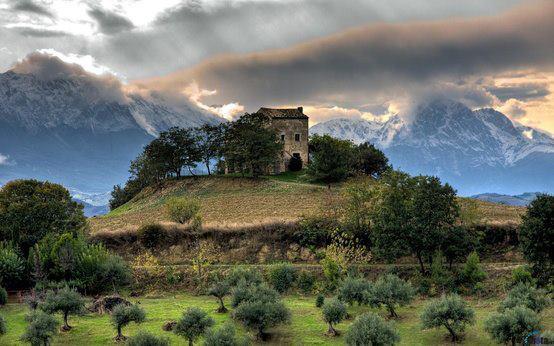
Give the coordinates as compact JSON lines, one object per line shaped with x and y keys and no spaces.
{"x":301,"y":110}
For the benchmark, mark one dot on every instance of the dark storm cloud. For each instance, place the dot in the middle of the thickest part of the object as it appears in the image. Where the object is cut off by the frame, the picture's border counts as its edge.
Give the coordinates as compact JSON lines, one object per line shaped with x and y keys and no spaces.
{"x":522,"y":91}
{"x":109,"y":22}
{"x":357,"y":64}
{"x":30,"y":7}
{"x":33,"y":32}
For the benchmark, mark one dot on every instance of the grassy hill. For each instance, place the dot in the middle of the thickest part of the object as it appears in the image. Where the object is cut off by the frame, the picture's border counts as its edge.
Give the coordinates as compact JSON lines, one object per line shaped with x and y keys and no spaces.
{"x":229,"y":200}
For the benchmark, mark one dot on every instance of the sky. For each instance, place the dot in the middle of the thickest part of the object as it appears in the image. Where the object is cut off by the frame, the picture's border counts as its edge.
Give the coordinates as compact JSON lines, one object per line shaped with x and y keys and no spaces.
{"x":354,"y":58}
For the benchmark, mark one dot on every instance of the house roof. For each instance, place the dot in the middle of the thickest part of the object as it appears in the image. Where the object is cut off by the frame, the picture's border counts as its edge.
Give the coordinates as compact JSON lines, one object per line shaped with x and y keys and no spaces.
{"x":287,"y":113}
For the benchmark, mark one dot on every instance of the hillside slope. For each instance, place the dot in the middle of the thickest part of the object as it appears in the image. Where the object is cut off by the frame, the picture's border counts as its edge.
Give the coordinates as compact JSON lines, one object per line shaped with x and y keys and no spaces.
{"x":233,"y":200}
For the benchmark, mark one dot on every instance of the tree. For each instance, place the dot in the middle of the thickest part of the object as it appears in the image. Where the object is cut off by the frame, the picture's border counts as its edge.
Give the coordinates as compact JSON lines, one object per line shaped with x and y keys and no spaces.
{"x":528,"y":296}
{"x":334,"y":311}
{"x":220,"y":289}
{"x":331,"y":159}
{"x":143,"y":338}
{"x":183,"y":210}
{"x":354,"y":290}
{"x":66,"y":300}
{"x":537,"y":238}
{"x":123,"y":314}
{"x":249,"y":293}
{"x":30,"y":209}
{"x":247,"y":276}
{"x":369,"y":160}
{"x":456,"y":244}
{"x":472,"y":272}
{"x":260,"y":315}
{"x":211,"y":139}
{"x":282,"y":276}
{"x":226,"y":335}
{"x":3,"y":296}
{"x":319,"y":300}
{"x":193,"y":324}
{"x":370,"y":329}
{"x":392,"y":291}
{"x":451,"y":312}
{"x":512,"y":325}
{"x":42,"y":327}
{"x":12,"y":266}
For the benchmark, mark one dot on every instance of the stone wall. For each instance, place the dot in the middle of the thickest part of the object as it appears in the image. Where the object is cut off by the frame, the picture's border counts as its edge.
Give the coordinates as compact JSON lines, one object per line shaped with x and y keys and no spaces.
{"x":290,"y":128}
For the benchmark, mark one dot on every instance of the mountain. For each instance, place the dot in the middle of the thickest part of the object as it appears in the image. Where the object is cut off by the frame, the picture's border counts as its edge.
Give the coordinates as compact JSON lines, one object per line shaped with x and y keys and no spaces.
{"x":475,"y":151}
{"x":76,"y":131}
{"x":519,"y":200}
{"x":92,"y":210}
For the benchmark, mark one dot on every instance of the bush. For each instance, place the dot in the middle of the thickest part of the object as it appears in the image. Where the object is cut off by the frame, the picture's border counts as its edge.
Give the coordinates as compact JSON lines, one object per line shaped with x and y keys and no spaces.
{"x":12,"y":266}
{"x":526,"y":296}
{"x":512,"y":325}
{"x":151,"y":235}
{"x":319,"y":300}
{"x":472,"y":272}
{"x":41,"y":328}
{"x":522,"y":274}
{"x":242,"y":275}
{"x":332,"y":273}
{"x":315,"y":231}
{"x":260,"y":315}
{"x":3,"y":296}
{"x":305,"y":282}
{"x":224,"y":336}
{"x":123,"y":314}
{"x":143,"y":338}
{"x":66,"y":301}
{"x":193,"y":324}
{"x":3,"y":328}
{"x":334,"y":311}
{"x":244,"y":293}
{"x":370,"y":329}
{"x":391,"y":291}
{"x":182,"y":210}
{"x":451,"y":312}
{"x":441,"y":278}
{"x":220,"y":289}
{"x":354,"y":290}
{"x":282,"y":276}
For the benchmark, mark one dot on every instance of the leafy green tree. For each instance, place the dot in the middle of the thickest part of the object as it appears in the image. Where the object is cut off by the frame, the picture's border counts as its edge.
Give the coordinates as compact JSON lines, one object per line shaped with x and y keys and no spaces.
{"x":249,"y":293}
{"x":334,"y":311}
{"x":3,"y":296}
{"x":537,"y":238}
{"x":354,"y":290}
{"x":183,"y":210}
{"x":66,"y":300}
{"x":41,"y":328}
{"x":123,"y":314}
{"x":220,"y":289}
{"x":30,"y":209}
{"x":371,"y":329}
{"x":369,"y":160}
{"x":527,"y":296}
{"x":391,"y":291}
{"x":319,"y":300}
{"x":282,"y":276}
{"x":440,"y":276}
{"x":248,"y":276}
{"x":226,"y":335}
{"x":456,"y":244}
{"x":260,"y":315}
{"x":12,"y":266}
{"x":143,"y":338}
{"x":522,"y":275}
{"x":512,"y":325}
{"x":472,"y":272}
{"x":305,"y":281}
{"x":210,"y":143}
{"x":3,"y":328}
{"x":331,"y":159}
{"x":193,"y":324}
{"x":451,"y":312}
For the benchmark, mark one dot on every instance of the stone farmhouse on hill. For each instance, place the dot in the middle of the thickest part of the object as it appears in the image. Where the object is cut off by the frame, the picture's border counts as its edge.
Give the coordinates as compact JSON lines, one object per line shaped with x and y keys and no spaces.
{"x":291,"y":125}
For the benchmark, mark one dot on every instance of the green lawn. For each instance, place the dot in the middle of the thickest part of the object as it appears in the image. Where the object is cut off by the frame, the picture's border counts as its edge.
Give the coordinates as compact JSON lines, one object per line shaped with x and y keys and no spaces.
{"x":306,"y":327}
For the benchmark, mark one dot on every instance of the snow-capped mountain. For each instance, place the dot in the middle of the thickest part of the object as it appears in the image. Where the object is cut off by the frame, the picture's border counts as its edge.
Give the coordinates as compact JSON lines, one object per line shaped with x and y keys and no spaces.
{"x":475,"y":151}
{"x":78,"y":132}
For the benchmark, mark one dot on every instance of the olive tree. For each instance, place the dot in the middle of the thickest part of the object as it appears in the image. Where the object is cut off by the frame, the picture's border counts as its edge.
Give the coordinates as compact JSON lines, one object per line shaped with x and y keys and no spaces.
{"x":282,"y":276}
{"x":451,"y":312}
{"x":220,"y":289}
{"x":512,"y":325}
{"x":193,"y":324}
{"x":143,"y":338}
{"x":226,"y":335}
{"x":41,"y":328}
{"x":123,"y":314}
{"x":334,"y":311}
{"x":371,"y":329}
{"x":391,"y":291}
{"x":354,"y":290}
{"x":527,"y":296}
{"x":66,"y":300}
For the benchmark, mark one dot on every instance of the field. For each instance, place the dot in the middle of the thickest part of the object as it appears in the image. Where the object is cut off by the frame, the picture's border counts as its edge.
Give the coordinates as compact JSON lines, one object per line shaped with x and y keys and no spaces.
{"x":307,"y":326}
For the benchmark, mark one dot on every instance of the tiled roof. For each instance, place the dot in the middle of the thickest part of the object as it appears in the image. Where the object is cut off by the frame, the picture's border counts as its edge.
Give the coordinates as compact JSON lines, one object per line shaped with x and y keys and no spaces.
{"x":292,"y":113}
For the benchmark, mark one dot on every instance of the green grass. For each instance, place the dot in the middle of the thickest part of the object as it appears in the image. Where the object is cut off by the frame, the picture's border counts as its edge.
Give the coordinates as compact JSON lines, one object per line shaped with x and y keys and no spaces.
{"x":307,"y":326}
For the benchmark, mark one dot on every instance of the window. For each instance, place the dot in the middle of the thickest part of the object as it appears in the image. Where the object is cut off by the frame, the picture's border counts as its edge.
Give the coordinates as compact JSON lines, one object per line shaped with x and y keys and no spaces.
{"x":282,"y":138}
{"x":297,"y":155}
{"x":297,"y":137}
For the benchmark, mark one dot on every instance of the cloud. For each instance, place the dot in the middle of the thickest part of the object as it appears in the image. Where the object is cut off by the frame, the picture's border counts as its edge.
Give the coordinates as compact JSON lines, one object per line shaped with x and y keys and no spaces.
{"x":31,"y":7}
{"x":109,"y":22}
{"x":513,"y":108}
{"x":39,"y":32}
{"x":520,"y":91}
{"x":4,"y":160}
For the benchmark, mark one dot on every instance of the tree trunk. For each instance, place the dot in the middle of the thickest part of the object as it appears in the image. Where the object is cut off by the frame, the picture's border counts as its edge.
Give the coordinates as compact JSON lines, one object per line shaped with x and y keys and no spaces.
{"x":190,"y":342}
{"x":222,"y":308}
{"x":392,"y":313}
{"x":331,"y":331}
{"x":451,"y":331}
{"x":119,"y":335}
{"x":65,"y":324}
{"x":513,"y":341}
{"x":208,"y":167}
{"x":190,"y":171}
{"x":421,"y":266}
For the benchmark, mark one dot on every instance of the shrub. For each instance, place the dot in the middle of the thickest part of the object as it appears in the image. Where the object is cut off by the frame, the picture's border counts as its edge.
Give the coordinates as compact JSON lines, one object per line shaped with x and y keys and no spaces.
{"x":527,"y":296}
{"x":472,"y":272}
{"x":391,"y":291}
{"x":370,"y":329}
{"x":224,"y":336}
{"x":220,"y":289}
{"x":282,"y":276}
{"x":522,"y":274}
{"x":451,"y":312}
{"x":143,"y":338}
{"x":3,"y":328}
{"x":12,"y":266}
{"x":67,"y":301}
{"x":260,"y":315}
{"x":123,"y":314}
{"x":319,"y":300}
{"x":512,"y":325}
{"x":41,"y":328}
{"x":332,"y":273}
{"x":295,"y":164}
{"x":242,"y":275}
{"x":182,"y":210}
{"x":193,"y":324}
{"x":334,"y":311}
{"x":305,"y":282}
{"x":354,"y":290}
{"x":315,"y":231}
{"x":3,"y":296}
{"x":441,"y":278}
{"x":151,"y":235}
{"x":244,"y":293}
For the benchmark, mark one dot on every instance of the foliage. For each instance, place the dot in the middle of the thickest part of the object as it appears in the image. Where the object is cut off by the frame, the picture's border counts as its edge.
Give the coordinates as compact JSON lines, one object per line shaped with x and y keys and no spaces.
{"x":210,"y":143}
{"x":369,"y":160}
{"x":3,"y":328}
{"x":248,"y":276}
{"x":295,"y":164}
{"x":123,"y":314}
{"x":12,"y":267}
{"x":356,"y":209}
{"x":205,"y":253}
{"x":193,"y":324}
{"x":522,"y":275}
{"x":331,"y":158}
{"x":344,"y":252}
{"x":527,"y":296}
{"x":441,"y":278}
{"x":305,"y":281}
{"x":42,"y":327}
{"x":315,"y":231}
{"x":226,"y":335}
{"x":512,"y":325}
{"x":143,"y":338}
{"x":220,"y":289}
{"x":319,"y":300}
{"x":332,"y":273}
{"x":249,"y":293}
{"x":390,"y":291}
{"x":472,"y":272}
{"x":182,"y":210}
{"x":371,"y":329}
{"x":261,"y":314}
{"x":354,"y":290}
{"x":151,"y":235}
{"x":451,"y":312}
{"x":3,"y":296}
{"x":66,"y":300}
{"x":456,"y":244}
{"x":282,"y":276}
{"x":334,"y":311}
{"x":537,"y":238}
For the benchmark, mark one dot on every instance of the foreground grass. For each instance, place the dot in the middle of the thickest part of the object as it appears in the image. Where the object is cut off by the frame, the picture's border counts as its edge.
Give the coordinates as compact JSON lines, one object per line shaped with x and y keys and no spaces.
{"x":307,"y":326}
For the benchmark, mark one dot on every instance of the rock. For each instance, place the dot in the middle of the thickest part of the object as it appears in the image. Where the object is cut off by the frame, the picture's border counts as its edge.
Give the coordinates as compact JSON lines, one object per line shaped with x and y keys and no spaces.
{"x":169,"y":326}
